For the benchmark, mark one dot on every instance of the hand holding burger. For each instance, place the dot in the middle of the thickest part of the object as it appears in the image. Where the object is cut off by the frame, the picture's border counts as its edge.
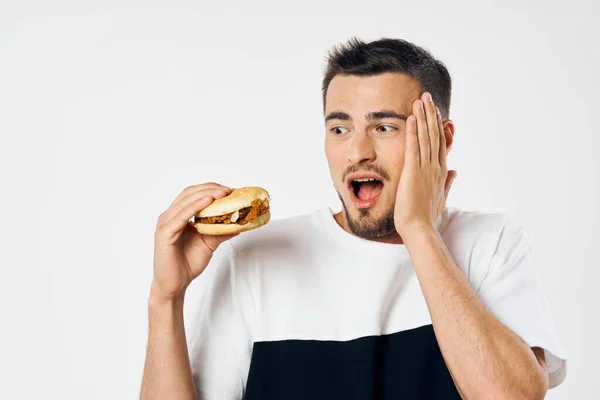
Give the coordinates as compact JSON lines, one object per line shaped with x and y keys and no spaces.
{"x":197,"y":222}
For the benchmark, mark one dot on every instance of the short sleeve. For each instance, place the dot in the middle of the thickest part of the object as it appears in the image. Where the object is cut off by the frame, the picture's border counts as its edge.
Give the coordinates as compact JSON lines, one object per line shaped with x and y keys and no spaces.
{"x":513,"y":292}
{"x":220,"y":309}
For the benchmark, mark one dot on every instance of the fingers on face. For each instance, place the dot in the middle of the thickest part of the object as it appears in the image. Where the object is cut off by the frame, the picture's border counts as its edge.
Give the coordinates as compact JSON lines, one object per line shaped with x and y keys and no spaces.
{"x":412,"y":157}
{"x":432,"y":125}
{"x":422,"y":131}
{"x":430,"y":131}
{"x":442,"y":152}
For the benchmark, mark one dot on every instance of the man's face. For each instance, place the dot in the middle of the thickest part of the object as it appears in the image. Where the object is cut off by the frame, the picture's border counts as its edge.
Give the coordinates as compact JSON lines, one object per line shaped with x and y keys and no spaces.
{"x":365,"y":138}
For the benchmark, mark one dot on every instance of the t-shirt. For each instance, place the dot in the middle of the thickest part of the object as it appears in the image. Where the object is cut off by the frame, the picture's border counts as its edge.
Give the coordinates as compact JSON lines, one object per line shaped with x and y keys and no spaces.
{"x":302,"y":309}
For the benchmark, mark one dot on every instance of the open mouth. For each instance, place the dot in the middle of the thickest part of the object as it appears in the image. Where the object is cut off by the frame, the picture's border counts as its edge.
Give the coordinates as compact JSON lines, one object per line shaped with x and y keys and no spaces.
{"x":365,"y":190}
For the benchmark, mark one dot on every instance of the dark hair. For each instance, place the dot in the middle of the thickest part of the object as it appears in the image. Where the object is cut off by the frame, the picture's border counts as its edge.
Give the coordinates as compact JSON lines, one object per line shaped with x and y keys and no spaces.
{"x":391,"y":55}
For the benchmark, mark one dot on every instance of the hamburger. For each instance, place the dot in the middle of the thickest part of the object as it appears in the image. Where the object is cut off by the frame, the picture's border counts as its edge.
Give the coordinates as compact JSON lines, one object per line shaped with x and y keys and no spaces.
{"x":242,"y":210}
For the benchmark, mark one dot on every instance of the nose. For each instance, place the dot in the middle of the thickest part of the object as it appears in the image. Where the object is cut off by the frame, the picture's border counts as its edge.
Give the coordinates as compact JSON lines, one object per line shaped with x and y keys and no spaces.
{"x":361,"y":149}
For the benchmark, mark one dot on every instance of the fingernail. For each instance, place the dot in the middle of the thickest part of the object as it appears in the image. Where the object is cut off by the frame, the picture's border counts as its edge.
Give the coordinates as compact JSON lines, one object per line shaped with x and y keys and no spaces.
{"x":428,"y":96}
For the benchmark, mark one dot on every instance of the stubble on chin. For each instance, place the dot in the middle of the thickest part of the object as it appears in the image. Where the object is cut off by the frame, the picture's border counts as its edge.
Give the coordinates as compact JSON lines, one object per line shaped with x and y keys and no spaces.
{"x":366,"y":225}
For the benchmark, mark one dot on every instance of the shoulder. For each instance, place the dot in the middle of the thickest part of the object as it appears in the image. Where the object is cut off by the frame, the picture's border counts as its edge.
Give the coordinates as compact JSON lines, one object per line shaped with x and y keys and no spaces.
{"x":482,"y":227}
{"x":477,"y":240}
{"x":278,"y":236}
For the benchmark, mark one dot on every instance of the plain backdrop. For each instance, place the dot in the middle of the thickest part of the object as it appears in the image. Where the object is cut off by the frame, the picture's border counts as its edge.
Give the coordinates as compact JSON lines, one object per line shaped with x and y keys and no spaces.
{"x":109,"y":109}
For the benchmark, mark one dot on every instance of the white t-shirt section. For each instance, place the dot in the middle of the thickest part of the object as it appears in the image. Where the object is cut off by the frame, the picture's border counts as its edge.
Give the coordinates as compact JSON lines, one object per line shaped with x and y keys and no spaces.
{"x":306,"y":278}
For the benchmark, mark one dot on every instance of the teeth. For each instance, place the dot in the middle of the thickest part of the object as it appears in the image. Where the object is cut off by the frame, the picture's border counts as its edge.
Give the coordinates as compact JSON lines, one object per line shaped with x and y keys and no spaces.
{"x":364,"y":180}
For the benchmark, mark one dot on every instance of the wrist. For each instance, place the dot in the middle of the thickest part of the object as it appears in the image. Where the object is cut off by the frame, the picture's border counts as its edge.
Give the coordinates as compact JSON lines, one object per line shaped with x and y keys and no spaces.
{"x":165,"y":317}
{"x":160,"y":299}
{"x":417,"y":229}
{"x":165,"y":312}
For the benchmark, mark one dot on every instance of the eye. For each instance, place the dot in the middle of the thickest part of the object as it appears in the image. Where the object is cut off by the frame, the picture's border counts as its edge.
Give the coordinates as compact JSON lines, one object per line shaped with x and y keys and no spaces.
{"x":390,"y":128}
{"x":338,"y":130}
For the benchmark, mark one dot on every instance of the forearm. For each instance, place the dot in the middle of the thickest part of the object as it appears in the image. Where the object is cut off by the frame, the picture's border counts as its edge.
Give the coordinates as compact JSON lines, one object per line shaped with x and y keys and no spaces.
{"x":167,"y":372}
{"x":486,"y":359}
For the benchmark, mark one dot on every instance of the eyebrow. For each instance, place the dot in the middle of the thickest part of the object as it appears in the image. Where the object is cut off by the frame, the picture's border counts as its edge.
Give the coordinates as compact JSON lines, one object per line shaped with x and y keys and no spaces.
{"x":374,"y":115}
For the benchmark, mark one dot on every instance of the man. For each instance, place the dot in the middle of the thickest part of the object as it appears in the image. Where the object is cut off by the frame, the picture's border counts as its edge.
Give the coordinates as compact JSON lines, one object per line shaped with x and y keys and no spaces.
{"x":395,"y":297}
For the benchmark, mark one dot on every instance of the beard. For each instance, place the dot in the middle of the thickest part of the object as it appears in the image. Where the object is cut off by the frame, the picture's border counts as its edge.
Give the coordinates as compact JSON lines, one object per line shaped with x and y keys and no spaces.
{"x":366,"y":225}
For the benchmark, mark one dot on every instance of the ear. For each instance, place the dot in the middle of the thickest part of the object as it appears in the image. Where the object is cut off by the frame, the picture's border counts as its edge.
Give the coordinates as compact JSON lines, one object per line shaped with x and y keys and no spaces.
{"x":448,"y":133}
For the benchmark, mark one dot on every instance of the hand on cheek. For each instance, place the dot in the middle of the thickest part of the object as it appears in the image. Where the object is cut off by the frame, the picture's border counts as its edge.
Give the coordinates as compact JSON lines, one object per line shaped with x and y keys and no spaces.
{"x":425,"y":180}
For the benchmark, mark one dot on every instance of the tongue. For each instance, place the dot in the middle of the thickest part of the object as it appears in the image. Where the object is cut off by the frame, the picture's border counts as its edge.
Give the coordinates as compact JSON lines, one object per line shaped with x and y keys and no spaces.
{"x":368,"y":190}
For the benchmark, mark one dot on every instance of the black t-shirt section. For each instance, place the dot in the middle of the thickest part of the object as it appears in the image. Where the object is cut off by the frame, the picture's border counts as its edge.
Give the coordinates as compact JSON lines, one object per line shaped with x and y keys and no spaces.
{"x":404,"y":365}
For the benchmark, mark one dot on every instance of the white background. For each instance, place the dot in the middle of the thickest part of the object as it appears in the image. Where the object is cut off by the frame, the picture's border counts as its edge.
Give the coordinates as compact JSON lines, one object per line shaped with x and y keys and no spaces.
{"x":109,"y":109}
